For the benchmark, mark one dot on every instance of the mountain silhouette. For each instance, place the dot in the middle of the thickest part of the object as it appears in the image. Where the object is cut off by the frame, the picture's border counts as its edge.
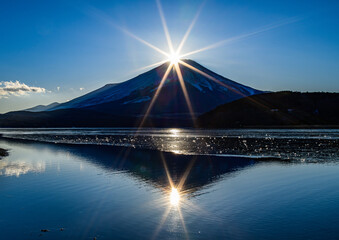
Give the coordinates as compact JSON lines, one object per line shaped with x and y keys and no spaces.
{"x":133,"y":97}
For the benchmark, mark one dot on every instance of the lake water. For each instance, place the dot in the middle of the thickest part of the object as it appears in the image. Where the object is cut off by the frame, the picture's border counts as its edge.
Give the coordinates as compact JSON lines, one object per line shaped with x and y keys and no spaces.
{"x":169,"y":184}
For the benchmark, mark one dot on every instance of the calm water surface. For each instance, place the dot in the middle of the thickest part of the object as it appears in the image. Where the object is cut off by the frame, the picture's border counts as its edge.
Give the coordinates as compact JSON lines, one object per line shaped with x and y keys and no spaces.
{"x":116,"y":192}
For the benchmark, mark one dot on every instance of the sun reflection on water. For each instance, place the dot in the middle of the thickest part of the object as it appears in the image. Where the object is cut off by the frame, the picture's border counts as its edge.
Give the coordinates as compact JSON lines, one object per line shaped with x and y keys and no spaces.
{"x":174,"y":132}
{"x":174,"y":197}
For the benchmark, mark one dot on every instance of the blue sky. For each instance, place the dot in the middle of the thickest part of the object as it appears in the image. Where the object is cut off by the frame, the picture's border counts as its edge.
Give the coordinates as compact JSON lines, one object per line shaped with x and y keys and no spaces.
{"x":67,"y":48}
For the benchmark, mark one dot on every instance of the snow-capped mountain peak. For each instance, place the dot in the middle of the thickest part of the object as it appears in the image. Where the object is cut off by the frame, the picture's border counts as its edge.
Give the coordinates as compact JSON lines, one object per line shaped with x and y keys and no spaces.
{"x":135,"y":94}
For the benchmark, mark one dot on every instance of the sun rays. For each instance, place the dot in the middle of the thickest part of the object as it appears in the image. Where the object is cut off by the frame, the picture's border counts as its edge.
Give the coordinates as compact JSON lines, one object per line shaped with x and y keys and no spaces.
{"x":174,"y":59}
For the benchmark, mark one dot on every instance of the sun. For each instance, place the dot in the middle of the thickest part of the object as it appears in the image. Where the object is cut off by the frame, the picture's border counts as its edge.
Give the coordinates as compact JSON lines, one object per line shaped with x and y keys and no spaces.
{"x":174,"y":197}
{"x":174,"y":58}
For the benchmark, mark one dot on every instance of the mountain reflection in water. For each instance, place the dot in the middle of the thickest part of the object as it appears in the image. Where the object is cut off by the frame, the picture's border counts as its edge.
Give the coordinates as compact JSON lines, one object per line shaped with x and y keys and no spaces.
{"x":146,"y":165}
{"x":111,"y":192}
{"x":178,"y":177}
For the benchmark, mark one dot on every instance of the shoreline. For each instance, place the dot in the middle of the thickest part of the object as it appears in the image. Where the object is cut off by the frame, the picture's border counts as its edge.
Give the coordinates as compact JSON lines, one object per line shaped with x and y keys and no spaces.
{"x":261,"y":146}
{"x":254,"y":158}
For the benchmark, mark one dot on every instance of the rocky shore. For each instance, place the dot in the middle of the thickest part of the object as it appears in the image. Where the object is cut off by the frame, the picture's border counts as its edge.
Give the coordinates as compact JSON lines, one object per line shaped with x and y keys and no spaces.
{"x":3,"y":153}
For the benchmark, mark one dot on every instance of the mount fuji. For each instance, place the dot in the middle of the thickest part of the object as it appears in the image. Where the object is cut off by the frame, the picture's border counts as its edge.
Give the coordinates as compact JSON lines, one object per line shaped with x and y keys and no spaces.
{"x":132,"y":97}
{"x":125,"y":104}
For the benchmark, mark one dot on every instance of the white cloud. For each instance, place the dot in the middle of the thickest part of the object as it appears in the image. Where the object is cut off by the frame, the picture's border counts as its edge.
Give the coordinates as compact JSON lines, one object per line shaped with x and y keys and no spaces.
{"x":8,"y":88}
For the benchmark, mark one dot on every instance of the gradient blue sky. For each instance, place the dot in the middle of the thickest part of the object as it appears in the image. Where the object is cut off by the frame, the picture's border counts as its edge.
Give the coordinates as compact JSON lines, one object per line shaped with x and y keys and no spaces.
{"x":71,"y":44}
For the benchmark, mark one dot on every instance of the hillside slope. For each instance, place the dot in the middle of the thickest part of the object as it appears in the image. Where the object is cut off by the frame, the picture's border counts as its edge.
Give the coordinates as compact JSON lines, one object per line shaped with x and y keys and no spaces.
{"x":275,"y":109}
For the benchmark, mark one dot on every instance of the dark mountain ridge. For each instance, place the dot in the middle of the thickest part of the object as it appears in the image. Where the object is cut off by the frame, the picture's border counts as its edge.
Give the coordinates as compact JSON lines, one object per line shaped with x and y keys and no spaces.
{"x":279,"y":109}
